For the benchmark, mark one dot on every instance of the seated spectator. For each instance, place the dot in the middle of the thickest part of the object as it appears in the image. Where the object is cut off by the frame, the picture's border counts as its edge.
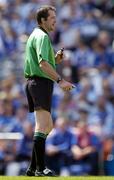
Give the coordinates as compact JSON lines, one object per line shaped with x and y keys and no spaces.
{"x":2,"y":156}
{"x":23,"y":153}
{"x":83,"y":57}
{"x":108,"y":153}
{"x":102,"y":115}
{"x":91,"y":26}
{"x":58,"y":146}
{"x":25,"y":145}
{"x":85,"y":152}
{"x":67,"y":105}
{"x":68,"y":31}
{"x":20,"y":119}
{"x":6,"y":115}
{"x":70,"y":9}
{"x":7,"y":155}
{"x":103,"y":52}
{"x":111,"y":80}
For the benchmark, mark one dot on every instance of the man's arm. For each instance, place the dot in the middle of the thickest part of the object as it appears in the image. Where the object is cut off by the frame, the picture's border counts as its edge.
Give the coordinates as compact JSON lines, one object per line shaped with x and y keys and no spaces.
{"x":48,"y":69}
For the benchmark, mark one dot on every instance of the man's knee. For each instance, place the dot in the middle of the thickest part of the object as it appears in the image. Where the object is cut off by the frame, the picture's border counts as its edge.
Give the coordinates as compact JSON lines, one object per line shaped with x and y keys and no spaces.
{"x":43,"y":121}
{"x":50,"y":127}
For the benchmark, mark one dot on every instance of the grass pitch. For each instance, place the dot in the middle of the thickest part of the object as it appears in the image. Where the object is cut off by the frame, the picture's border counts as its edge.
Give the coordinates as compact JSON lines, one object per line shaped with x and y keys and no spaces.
{"x":57,"y":178}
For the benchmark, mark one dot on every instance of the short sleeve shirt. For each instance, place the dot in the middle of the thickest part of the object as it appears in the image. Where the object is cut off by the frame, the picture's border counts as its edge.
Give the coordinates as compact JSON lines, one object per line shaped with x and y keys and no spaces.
{"x":38,"y":48}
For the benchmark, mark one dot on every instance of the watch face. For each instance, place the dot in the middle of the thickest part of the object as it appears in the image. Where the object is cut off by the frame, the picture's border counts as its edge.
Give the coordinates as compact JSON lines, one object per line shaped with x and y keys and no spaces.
{"x":59,"y":79}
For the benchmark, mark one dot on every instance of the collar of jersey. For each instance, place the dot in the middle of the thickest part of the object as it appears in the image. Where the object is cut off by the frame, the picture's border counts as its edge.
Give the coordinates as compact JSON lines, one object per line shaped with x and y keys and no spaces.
{"x":43,"y":29}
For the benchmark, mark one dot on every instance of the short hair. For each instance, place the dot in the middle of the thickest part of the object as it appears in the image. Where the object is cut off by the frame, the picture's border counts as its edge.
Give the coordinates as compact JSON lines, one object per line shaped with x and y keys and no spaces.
{"x":42,"y":12}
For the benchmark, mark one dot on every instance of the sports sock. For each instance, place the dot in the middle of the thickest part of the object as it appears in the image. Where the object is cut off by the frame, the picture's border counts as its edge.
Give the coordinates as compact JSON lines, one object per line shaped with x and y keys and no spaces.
{"x":33,"y":160}
{"x":39,"y":147}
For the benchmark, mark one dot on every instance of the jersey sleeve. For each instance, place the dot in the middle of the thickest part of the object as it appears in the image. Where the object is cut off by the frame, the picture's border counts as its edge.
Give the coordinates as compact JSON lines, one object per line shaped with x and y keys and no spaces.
{"x":42,"y":49}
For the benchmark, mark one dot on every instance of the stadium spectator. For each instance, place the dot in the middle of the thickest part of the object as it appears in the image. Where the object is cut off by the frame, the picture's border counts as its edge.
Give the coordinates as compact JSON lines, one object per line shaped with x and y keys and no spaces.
{"x":102,"y":114}
{"x":85,"y":152}
{"x":59,"y":145}
{"x":108,"y":156}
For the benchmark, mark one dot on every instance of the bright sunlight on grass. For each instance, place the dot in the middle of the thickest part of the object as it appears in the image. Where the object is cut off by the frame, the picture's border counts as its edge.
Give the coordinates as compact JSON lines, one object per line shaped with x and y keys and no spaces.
{"x":56,"y":178}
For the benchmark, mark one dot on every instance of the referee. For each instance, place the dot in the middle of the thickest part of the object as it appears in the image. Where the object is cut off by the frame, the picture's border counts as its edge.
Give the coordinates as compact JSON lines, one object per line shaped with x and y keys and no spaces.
{"x":40,"y":72}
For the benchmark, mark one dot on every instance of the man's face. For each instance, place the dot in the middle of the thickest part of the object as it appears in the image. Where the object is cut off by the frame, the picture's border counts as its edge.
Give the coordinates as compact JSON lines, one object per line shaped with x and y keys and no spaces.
{"x":50,"y":23}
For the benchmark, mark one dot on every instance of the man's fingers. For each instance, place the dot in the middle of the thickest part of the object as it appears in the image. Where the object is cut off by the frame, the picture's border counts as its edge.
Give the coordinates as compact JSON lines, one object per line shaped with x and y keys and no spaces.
{"x":68,"y":88}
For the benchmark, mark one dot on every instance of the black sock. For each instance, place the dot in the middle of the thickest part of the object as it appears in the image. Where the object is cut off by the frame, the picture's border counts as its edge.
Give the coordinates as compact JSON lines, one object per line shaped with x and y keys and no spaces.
{"x":33,"y":159}
{"x":39,"y":146}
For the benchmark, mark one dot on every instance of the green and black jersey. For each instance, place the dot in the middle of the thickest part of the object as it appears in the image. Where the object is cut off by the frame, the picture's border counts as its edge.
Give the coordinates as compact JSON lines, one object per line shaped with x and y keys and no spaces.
{"x":38,"y":48}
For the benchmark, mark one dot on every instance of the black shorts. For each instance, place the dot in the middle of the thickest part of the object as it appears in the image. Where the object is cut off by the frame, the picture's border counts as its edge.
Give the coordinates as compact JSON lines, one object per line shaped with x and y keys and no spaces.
{"x":39,"y":93}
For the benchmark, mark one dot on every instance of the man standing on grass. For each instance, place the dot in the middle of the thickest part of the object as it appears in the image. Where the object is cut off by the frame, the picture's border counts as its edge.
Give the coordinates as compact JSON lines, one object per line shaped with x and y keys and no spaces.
{"x":40,"y":71}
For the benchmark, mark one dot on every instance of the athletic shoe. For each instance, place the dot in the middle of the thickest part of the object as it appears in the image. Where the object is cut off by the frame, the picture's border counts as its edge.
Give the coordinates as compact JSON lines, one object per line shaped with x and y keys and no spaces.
{"x":45,"y":172}
{"x":30,"y":172}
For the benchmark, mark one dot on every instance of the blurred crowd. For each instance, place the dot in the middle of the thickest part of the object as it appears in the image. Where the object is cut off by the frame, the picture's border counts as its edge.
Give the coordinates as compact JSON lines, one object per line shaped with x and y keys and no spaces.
{"x":82,"y":141}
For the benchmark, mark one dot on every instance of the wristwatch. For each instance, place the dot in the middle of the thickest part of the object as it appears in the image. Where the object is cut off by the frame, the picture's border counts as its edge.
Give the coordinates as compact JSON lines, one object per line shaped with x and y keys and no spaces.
{"x":59,"y":79}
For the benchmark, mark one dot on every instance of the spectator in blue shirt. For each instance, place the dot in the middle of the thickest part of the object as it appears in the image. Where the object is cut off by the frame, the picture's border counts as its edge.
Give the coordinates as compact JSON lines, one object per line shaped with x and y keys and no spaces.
{"x":59,"y":145}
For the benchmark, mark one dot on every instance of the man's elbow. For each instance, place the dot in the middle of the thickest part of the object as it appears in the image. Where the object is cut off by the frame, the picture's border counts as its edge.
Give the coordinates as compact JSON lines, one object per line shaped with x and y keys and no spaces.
{"x":42,"y":64}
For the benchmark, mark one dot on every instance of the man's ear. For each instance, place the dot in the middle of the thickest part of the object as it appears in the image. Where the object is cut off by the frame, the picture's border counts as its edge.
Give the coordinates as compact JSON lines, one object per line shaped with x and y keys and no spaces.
{"x":42,"y":20}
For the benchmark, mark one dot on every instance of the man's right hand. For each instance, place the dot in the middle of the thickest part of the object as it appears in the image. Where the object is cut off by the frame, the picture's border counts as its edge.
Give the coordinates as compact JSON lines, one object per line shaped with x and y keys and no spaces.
{"x":65,"y":85}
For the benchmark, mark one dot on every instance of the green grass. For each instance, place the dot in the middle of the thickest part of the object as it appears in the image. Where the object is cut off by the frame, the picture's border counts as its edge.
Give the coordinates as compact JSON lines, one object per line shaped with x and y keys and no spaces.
{"x":56,"y":178}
